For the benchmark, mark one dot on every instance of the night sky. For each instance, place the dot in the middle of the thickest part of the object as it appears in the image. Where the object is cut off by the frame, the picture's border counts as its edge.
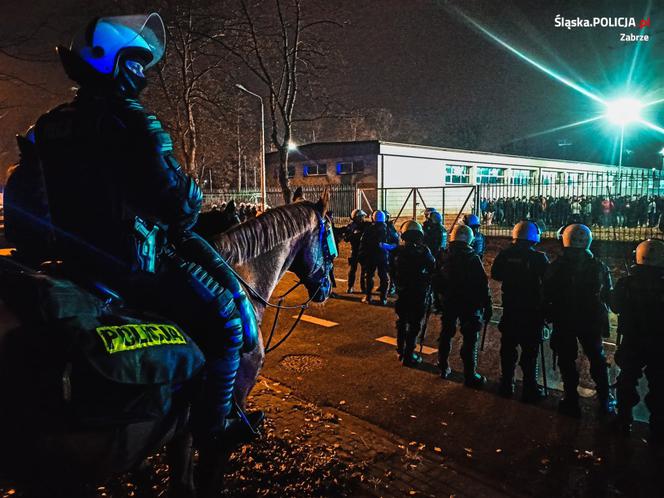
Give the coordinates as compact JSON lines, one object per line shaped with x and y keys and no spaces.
{"x":421,"y":60}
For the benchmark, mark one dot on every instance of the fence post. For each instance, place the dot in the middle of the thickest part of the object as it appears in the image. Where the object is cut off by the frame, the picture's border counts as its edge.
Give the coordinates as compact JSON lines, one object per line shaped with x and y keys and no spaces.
{"x":415,"y":192}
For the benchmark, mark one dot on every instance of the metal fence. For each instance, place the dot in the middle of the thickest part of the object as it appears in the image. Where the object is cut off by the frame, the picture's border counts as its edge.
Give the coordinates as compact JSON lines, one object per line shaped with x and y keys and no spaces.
{"x":343,"y":198}
{"x":621,"y":207}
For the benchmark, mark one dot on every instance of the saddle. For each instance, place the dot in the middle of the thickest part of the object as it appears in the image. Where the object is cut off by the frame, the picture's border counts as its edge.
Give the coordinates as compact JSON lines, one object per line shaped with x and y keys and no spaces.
{"x":101,"y":364}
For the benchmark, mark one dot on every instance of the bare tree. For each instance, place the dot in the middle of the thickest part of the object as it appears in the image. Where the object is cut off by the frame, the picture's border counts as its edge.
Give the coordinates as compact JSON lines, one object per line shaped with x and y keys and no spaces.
{"x":283,"y":49}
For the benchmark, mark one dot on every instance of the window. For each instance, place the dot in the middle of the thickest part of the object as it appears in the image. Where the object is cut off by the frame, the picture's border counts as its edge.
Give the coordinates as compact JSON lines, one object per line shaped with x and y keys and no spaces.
{"x":457,"y":174}
{"x":522,"y":177}
{"x":350,"y":167}
{"x":490,"y":175}
{"x":549,"y":177}
{"x":314,"y":169}
{"x":291,"y":171}
{"x":574,"y":178}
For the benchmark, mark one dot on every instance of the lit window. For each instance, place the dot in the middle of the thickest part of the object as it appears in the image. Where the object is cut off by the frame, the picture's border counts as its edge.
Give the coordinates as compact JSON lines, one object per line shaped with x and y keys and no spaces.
{"x":350,"y":167}
{"x":573,"y":178}
{"x":522,"y":177}
{"x":490,"y":175}
{"x":457,"y":174}
{"x":314,"y":169}
{"x":549,"y":177}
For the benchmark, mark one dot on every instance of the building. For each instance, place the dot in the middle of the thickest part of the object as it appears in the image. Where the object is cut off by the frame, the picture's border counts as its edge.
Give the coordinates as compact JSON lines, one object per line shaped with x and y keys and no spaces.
{"x":450,"y":179}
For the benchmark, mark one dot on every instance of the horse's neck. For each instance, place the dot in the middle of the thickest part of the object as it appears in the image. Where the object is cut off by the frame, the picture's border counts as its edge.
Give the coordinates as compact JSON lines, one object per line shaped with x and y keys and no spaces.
{"x":264,"y":272}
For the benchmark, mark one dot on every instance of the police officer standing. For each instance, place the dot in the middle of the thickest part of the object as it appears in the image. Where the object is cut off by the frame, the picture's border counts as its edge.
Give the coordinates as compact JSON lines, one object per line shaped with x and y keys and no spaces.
{"x":392,"y":243}
{"x":413,"y":266}
{"x":576,"y":289}
{"x":353,"y":234}
{"x":374,"y":257}
{"x":462,"y":292}
{"x":521,"y":270}
{"x":479,"y":243}
{"x":435,"y":235}
{"x":639,"y":300}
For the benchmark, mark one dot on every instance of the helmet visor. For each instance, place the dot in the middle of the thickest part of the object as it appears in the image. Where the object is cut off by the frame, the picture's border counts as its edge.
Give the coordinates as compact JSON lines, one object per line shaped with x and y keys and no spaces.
{"x":150,"y":33}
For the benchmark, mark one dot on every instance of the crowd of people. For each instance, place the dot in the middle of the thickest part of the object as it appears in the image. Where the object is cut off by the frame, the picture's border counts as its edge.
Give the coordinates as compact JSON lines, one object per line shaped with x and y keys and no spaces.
{"x":571,"y":295}
{"x":629,"y":211}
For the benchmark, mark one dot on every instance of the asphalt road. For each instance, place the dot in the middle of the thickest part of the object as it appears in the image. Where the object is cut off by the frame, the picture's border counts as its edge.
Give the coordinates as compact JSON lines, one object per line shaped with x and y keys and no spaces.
{"x":521,"y":447}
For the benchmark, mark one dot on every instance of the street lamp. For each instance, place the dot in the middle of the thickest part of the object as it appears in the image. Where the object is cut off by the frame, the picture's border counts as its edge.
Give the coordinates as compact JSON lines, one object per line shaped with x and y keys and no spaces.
{"x":622,"y":112}
{"x":263,"y":172}
{"x":661,"y":153}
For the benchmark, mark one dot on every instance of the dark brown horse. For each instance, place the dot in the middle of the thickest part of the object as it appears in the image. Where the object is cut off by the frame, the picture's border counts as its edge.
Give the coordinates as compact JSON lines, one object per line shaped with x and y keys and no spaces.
{"x":38,"y":446}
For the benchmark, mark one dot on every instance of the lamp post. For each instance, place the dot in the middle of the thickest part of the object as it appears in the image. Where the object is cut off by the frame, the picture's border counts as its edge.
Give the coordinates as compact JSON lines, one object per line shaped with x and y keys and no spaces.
{"x":263,"y":172}
{"x":661,"y":153}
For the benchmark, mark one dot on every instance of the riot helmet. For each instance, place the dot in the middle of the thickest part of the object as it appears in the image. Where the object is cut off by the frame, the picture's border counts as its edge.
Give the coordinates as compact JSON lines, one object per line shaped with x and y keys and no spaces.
{"x":577,"y":236}
{"x":471,"y":220}
{"x":357,"y":213}
{"x":462,"y":233}
{"x":411,"y":231}
{"x":378,"y":216}
{"x":650,"y":253}
{"x":436,"y":218}
{"x":526,"y":230}
{"x":112,"y":53}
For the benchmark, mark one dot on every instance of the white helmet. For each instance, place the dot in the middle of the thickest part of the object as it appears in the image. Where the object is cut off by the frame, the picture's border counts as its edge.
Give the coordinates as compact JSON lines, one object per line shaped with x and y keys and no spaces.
{"x":411,"y":226}
{"x":462,"y":233}
{"x":650,"y":253}
{"x":357,"y":212}
{"x":526,"y":230}
{"x":578,"y":236}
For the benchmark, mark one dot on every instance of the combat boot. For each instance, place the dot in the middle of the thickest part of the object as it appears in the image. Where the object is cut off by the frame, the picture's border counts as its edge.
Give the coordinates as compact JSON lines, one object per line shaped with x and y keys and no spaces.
{"x":471,"y":377}
{"x":532,"y":391}
{"x":411,"y":359}
{"x":350,"y":290}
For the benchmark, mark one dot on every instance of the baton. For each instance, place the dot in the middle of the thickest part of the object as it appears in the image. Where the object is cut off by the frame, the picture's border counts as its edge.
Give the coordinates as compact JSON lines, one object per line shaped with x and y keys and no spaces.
{"x":486,"y":326}
{"x":544,"y":380}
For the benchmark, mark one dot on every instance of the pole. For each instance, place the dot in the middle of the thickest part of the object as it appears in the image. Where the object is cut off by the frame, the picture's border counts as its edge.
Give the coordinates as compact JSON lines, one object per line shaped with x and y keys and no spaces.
{"x":262,"y":144}
{"x":486,"y":326}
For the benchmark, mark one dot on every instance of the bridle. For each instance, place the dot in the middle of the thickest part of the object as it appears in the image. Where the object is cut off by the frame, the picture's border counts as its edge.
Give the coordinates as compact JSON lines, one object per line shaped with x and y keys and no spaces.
{"x":328,"y":248}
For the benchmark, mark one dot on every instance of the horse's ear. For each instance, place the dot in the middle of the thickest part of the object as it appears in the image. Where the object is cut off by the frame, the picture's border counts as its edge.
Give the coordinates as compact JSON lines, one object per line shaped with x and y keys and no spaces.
{"x":298,"y":195}
{"x":230,"y":207}
{"x":323,"y":203}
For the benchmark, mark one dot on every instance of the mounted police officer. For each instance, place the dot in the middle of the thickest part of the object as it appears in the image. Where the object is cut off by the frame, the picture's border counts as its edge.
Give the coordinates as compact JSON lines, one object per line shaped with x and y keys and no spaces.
{"x":121,"y":208}
{"x":353,"y":234}
{"x":435,"y":235}
{"x":413,"y":266}
{"x":374,"y":249}
{"x":479,"y":243}
{"x":521,"y":270}
{"x":462,"y":293}
{"x":639,"y":300}
{"x":576,"y":289}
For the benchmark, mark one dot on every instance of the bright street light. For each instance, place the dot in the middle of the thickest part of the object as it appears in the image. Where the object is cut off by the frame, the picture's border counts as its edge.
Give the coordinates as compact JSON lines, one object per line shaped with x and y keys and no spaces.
{"x":292,"y":146}
{"x":263,"y":172}
{"x":623,"y":111}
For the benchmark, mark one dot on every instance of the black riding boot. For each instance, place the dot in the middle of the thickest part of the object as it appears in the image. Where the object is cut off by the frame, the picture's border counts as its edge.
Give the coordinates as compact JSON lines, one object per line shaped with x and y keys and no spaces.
{"x":532,"y":392}
{"x":410,"y":357}
{"x":444,"y":348}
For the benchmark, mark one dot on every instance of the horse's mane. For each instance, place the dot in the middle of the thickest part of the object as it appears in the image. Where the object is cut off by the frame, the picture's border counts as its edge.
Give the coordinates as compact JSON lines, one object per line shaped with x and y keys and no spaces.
{"x":259,"y":235}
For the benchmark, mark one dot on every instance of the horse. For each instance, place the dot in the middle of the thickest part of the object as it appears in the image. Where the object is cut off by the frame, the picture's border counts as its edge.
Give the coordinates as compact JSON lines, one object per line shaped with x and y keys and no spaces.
{"x":56,"y":458}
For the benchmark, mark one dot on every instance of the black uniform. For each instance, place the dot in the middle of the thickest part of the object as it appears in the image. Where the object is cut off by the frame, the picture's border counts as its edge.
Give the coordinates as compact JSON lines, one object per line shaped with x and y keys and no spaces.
{"x":462,"y":292}
{"x":393,"y":239}
{"x":353,"y":235}
{"x":435,"y":237}
{"x":639,"y":301}
{"x":413,"y":266}
{"x":521,"y":270}
{"x":479,"y":244}
{"x":373,"y":257}
{"x":121,"y":209}
{"x":575,"y":291}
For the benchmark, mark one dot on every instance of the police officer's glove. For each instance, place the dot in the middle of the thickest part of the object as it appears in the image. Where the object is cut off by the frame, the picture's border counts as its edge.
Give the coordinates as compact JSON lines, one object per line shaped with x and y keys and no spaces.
{"x":488,"y":313}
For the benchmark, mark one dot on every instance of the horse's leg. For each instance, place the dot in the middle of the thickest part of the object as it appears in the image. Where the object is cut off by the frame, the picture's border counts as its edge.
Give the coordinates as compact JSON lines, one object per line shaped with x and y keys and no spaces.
{"x":212,"y":463}
{"x":180,"y":455}
{"x":250,"y":366}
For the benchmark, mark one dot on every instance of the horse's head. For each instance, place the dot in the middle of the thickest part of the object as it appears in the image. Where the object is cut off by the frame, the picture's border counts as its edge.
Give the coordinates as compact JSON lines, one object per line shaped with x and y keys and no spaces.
{"x":313,"y":262}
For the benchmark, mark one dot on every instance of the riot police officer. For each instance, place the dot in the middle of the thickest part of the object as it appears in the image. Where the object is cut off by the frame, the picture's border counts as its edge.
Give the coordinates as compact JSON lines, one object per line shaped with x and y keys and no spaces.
{"x":521,"y":270}
{"x":576,"y":289}
{"x":462,"y":294}
{"x":413,"y":266}
{"x":353,"y":234}
{"x":392,"y":243}
{"x":639,"y":300}
{"x":374,"y":248}
{"x":121,"y":207}
{"x":479,"y":243}
{"x":435,"y":235}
